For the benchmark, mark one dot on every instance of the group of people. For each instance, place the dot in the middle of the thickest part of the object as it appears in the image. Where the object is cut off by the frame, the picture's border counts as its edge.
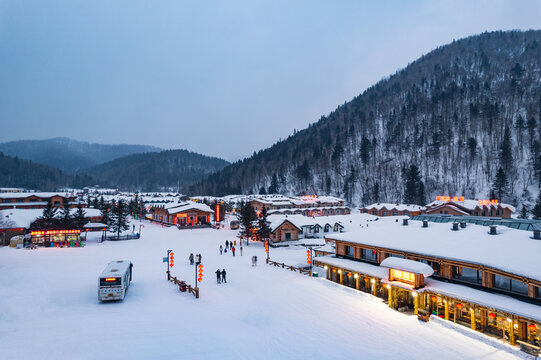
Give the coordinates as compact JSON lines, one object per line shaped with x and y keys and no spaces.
{"x":229,"y":245}
{"x":197,"y":259}
{"x":220,"y":276}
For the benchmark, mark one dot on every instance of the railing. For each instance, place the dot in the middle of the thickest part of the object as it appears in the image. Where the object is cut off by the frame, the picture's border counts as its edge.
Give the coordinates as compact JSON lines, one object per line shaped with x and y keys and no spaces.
{"x":289,"y":267}
{"x":529,"y":348}
{"x":120,"y":237}
{"x":198,"y":226}
{"x":182,"y":286}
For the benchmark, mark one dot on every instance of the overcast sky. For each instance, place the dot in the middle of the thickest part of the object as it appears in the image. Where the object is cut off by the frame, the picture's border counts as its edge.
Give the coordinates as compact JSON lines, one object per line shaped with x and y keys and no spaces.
{"x":223,"y":78}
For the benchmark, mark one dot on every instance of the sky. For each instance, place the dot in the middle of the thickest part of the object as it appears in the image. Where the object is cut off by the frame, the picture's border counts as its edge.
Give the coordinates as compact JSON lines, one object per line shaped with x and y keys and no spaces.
{"x":222,"y":78}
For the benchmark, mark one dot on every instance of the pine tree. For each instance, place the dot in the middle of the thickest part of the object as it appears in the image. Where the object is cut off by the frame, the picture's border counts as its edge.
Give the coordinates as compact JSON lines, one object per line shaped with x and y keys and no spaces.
{"x":102,"y":202}
{"x":523,"y":212}
{"x":273,"y":188}
{"x":536,"y":211}
{"x":365,"y":151}
{"x":119,"y":215}
{"x":376,"y":192}
{"x":246,"y":217}
{"x":48,"y":220}
{"x":263,"y":225}
{"x":65,"y":215}
{"x":472,"y":146}
{"x":506,"y":156}
{"x":95,"y":203}
{"x":414,"y":192}
{"x":500,"y":185}
{"x":105,"y":212}
{"x":80,"y":217}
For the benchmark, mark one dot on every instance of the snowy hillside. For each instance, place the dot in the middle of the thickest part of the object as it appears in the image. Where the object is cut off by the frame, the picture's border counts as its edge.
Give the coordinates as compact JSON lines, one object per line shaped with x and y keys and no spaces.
{"x":446,"y":113}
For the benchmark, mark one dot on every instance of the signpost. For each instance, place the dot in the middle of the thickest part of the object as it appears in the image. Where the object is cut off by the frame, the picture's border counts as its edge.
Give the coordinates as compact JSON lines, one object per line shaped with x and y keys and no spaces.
{"x":309,"y":259}
{"x":170,"y":260}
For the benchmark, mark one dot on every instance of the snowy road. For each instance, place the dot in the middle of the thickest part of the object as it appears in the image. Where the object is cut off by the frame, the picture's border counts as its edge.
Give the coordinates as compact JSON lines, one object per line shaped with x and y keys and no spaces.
{"x":49,"y":308}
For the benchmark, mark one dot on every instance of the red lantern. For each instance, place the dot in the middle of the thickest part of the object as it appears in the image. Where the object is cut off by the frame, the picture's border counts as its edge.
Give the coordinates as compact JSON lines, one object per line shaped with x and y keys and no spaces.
{"x":459,"y":306}
{"x":366,"y":279}
{"x":349,"y":274}
{"x":532,"y":327}
{"x":492,"y":316}
{"x":434,"y":298}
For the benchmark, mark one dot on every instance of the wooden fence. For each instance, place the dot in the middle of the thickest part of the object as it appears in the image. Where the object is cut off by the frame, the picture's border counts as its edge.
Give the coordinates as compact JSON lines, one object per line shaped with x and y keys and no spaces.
{"x":182,"y":286}
{"x":289,"y":267}
{"x":120,"y":238}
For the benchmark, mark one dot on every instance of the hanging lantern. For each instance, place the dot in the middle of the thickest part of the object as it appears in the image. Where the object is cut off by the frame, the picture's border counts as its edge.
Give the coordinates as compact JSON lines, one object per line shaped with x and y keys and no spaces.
{"x":434,"y":298}
{"x":459,"y":306}
{"x":492,"y":316}
{"x":349,"y":274}
{"x":532,"y":327}
{"x":366,"y":279}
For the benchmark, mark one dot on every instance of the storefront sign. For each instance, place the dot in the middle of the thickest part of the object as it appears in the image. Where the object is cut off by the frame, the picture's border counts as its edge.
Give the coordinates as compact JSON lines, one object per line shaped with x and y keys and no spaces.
{"x":402,"y":276}
{"x":450,"y":198}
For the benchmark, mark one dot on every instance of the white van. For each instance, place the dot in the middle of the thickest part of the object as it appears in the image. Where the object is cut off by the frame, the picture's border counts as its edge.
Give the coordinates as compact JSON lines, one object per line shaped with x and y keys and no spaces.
{"x":114,"y":280}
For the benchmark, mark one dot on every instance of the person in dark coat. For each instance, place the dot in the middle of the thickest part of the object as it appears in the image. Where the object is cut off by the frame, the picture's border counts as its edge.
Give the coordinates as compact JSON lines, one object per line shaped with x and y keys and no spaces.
{"x":226,"y":244}
{"x":191,"y":258}
{"x":221,"y":249}
{"x":233,"y":249}
{"x":223,"y":276}
{"x":231,"y":245}
{"x":218,"y":276}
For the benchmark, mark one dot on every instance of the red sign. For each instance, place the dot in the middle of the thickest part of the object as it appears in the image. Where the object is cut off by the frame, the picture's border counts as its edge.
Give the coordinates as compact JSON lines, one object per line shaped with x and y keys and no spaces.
{"x":217,"y":213}
{"x":450,"y":198}
{"x":488,"y":202}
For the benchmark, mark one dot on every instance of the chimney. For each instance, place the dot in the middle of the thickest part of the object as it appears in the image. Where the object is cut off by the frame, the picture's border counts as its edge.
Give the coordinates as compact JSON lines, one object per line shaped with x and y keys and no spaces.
{"x":425,"y":223}
{"x":537,"y":234}
{"x":405,"y":222}
{"x":493,"y":230}
{"x":455,"y":226}
{"x":463,"y":224}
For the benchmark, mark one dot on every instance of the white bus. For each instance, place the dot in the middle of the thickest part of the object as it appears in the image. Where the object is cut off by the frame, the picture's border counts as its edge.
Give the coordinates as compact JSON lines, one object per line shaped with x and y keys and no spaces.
{"x":114,"y":280}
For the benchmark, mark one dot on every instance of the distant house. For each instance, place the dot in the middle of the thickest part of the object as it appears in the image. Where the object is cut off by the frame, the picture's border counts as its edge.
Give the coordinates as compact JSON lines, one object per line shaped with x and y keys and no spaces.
{"x":37,"y":200}
{"x":308,"y":205}
{"x":470,"y":208}
{"x":388,"y":209}
{"x":285,"y":231}
{"x":294,"y":227}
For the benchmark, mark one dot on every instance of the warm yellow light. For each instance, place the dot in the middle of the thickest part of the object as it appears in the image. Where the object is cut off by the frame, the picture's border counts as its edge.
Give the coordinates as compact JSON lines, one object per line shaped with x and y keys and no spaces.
{"x":356,"y":276}
{"x":508,"y":319}
{"x":388,"y":286}
{"x":339,"y":271}
{"x":373,"y":281}
{"x":325,"y":267}
{"x":414,"y":294}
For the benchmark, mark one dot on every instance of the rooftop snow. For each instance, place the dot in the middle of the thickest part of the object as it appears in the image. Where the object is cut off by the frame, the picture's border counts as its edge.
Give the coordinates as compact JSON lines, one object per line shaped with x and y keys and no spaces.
{"x":511,"y":250}
{"x":412,"y":266}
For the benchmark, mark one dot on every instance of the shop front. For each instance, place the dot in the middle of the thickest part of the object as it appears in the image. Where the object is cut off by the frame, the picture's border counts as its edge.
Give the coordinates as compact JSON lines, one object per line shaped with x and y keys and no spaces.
{"x":57,"y":238}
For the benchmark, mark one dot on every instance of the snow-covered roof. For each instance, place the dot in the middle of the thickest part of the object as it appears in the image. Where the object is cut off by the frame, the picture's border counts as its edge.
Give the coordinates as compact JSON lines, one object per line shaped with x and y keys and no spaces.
{"x":23,"y":195}
{"x":513,"y":251}
{"x":22,"y":218}
{"x":398,"y":207}
{"x":411,"y":266}
{"x":91,"y":225}
{"x":178,"y":208}
{"x":468,"y":204}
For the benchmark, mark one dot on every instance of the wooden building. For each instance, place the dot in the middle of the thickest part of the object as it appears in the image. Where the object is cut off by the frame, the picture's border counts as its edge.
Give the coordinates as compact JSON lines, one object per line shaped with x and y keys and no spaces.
{"x":26,"y":200}
{"x":486,"y":208}
{"x":285,"y":231}
{"x":187,"y":214}
{"x":470,"y":285}
{"x":388,"y":209}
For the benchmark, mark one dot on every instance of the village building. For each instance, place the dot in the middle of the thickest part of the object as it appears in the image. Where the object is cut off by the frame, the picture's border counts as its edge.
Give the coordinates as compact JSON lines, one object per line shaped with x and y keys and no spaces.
{"x":464,"y":207}
{"x":185,"y":214}
{"x":295,"y":227}
{"x":19,"y":222}
{"x":307,"y":205}
{"x":36,"y":200}
{"x":486,"y":279}
{"x":389,"y":209}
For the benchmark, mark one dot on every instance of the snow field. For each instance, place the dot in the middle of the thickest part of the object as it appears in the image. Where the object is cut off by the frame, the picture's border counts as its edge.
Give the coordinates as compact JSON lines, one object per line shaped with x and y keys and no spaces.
{"x":50,"y":308}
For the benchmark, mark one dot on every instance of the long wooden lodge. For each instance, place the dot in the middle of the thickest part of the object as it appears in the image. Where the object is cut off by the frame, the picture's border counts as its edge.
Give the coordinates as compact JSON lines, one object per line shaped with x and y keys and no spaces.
{"x":487,"y":280}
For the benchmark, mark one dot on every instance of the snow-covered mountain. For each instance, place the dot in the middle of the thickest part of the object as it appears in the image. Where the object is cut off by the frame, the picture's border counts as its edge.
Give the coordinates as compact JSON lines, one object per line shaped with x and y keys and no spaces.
{"x":446,"y":113}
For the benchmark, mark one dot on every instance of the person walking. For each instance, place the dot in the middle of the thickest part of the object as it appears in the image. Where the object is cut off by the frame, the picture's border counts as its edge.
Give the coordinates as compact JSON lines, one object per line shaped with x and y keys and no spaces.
{"x":226,"y":244}
{"x":253,"y":260}
{"x":233,"y":249}
{"x":218,"y":276}
{"x":223,"y":276}
{"x":241,"y":250}
{"x":231,"y":245}
{"x":198,"y":259}
{"x":191,"y":258}
{"x":221,"y":249}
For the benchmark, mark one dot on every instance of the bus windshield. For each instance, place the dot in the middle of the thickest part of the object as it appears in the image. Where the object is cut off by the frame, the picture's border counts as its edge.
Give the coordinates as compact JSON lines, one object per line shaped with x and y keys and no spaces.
{"x":112,"y":281}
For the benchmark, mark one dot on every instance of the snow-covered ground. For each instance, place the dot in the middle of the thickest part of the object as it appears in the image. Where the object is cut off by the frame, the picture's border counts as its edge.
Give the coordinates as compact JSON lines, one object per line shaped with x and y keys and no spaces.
{"x":49,"y":308}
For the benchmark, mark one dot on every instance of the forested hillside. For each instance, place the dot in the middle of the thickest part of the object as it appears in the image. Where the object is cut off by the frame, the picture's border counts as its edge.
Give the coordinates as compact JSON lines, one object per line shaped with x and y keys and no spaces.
{"x":15,"y":172}
{"x":170,"y":169}
{"x":458,"y":114}
{"x":70,"y":155}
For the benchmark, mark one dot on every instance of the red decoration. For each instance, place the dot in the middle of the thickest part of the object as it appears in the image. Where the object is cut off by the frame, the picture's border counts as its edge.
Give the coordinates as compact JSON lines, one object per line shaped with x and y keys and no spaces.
{"x":492,"y":316}
{"x":532,"y":327}
{"x":366,"y":279}
{"x":434,"y":298}
{"x":459,"y":305}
